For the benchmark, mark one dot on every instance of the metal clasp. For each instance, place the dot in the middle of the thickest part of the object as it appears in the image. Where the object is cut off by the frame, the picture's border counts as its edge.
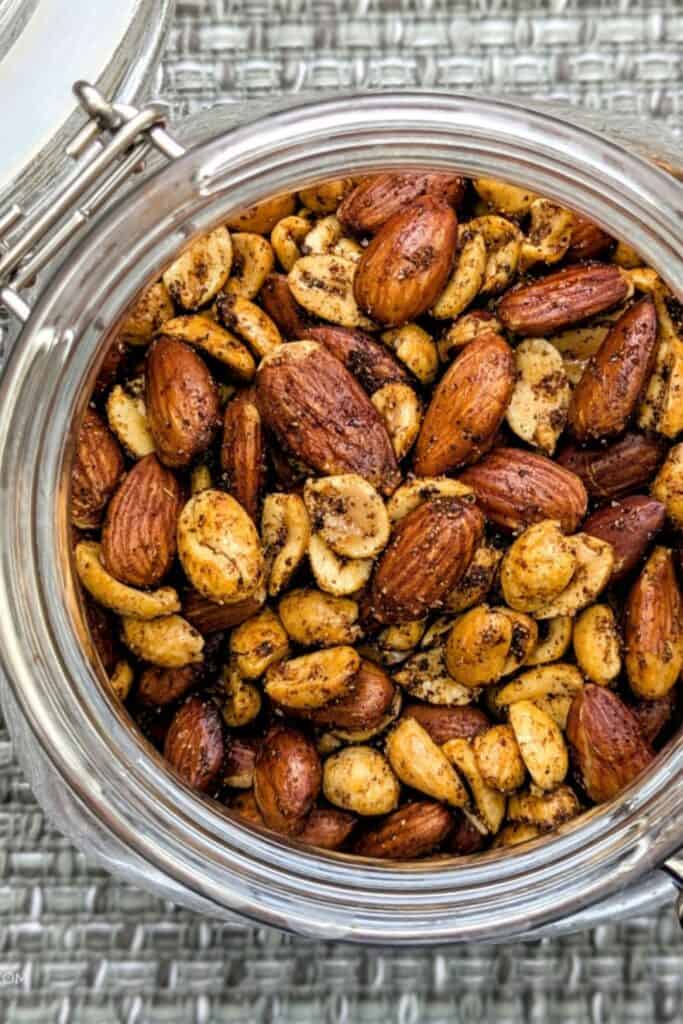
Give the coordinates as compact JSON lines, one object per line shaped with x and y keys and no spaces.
{"x":115,"y":139}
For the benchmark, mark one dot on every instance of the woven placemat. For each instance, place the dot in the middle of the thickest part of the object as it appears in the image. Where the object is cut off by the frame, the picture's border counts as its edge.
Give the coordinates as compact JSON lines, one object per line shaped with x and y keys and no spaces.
{"x":78,"y":947}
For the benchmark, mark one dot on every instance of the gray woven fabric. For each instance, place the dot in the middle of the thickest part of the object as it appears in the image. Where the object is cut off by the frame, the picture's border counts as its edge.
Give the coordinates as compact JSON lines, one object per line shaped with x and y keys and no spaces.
{"x":78,"y":947}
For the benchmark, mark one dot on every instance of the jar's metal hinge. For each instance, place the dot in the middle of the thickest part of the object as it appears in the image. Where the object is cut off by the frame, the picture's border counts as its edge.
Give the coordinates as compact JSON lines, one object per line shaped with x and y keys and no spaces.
{"x":109,"y":147}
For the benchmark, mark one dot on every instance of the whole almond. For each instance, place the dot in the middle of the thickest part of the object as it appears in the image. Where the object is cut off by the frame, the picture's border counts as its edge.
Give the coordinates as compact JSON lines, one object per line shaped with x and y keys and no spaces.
{"x":139,"y":534}
{"x":630,"y":526}
{"x":414,"y":830}
{"x":607,"y":393}
{"x":606,"y":746}
{"x":97,"y":468}
{"x":447,"y":723}
{"x":327,"y":828}
{"x":364,"y":707}
{"x":181,"y":402}
{"x":467,"y":407}
{"x":287,"y":778}
{"x":375,"y":200}
{"x":243,"y":452}
{"x":161,"y":686}
{"x":588,"y":240}
{"x":321,"y":415}
{"x":654,"y":628}
{"x":563,"y":298}
{"x":616,"y":469}
{"x":405,"y":268}
{"x":369,"y":361}
{"x":194,"y":743}
{"x":517,"y":488}
{"x":209,"y":617}
{"x":428,"y":553}
{"x":282,"y":308}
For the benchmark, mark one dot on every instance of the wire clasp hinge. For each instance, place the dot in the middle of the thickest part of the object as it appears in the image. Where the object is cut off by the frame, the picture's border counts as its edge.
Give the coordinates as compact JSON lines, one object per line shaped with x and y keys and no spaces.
{"x":115,"y":139}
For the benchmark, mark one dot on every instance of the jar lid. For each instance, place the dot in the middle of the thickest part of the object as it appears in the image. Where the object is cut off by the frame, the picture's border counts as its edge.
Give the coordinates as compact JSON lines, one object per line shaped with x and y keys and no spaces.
{"x":45,"y":45}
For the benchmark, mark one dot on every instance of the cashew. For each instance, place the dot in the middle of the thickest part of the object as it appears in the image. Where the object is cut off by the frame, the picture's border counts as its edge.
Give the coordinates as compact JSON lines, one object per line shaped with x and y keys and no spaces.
{"x":597,"y":645}
{"x":668,"y":485}
{"x":169,"y":641}
{"x":549,"y":234}
{"x":322,"y":237}
{"x":467,"y":277}
{"x":477,"y":580}
{"x":542,"y":810}
{"x":514,"y":834}
{"x":323,"y":285}
{"x":313,"y":618}
{"x":626,"y":256}
{"x":401,"y":410}
{"x":537,"y":411}
{"x":425,"y":677}
{"x":327,"y":195}
{"x":558,"y":707}
{"x":540,"y":742}
{"x":510,"y":200}
{"x":127,"y":417}
{"x":122,"y":599}
{"x":121,"y":679}
{"x":499,"y":759}
{"x":503,"y":243}
{"x":594,"y":561}
{"x":416,"y":350}
{"x":419,"y":763}
{"x":252,"y":261}
{"x":409,"y":496}
{"x":524,"y":637}
{"x":287,"y":237}
{"x":349,"y":514}
{"x":147,"y":315}
{"x":464,"y":330}
{"x":200,"y":479}
{"x":478,"y":646}
{"x":537,"y":567}
{"x":404,"y":637}
{"x":313,"y":680}
{"x":286,"y":531}
{"x":258,"y":643}
{"x":242,"y":699}
{"x":219,"y":547}
{"x":489,"y":802}
{"x":208,"y":336}
{"x":554,"y":638}
{"x":200,"y":272}
{"x":359,"y":779}
{"x":262,"y":217}
{"x":339,"y":576}
{"x":556,"y":680}
{"x":252,"y":324}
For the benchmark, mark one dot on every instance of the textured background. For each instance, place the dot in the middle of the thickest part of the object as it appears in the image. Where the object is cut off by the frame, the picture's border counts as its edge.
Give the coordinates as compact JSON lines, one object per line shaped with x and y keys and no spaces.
{"x":77,"y":947}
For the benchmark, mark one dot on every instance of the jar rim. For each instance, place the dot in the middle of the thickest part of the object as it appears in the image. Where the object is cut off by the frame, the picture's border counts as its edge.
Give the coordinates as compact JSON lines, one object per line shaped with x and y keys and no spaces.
{"x":87,"y":738}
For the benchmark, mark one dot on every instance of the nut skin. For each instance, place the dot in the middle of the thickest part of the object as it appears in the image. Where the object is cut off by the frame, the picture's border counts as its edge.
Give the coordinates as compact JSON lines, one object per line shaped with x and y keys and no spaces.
{"x":161,"y":686}
{"x":428,"y":553}
{"x":606,"y":745}
{"x":617,"y":469}
{"x":282,"y":308}
{"x":588,"y":240}
{"x":370,"y":205}
{"x":405,"y":268}
{"x":630,"y":526}
{"x":653,"y":716}
{"x":654,"y":628}
{"x":97,"y":468}
{"x":516,"y":488}
{"x":321,"y":415}
{"x":364,"y":707}
{"x":414,"y":830}
{"x":243,"y":452}
{"x":607,"y":393}
{"x":467,"y":407}
{"x":327,"y":828}
{"x":444,"y":723}
{"x":139,"y":534}
{"x":209,"y":617}
{"x":371,"y":363}
{"x":181,"y":402}
{"x":194,"y":743}
{"x":287,"y":778}
{"x":465,"y":838}
{"x":563,"y":298}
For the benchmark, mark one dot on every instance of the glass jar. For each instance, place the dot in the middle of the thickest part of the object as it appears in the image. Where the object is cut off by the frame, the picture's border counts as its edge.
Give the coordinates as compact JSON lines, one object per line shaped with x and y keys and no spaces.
{"x":94,"y":774}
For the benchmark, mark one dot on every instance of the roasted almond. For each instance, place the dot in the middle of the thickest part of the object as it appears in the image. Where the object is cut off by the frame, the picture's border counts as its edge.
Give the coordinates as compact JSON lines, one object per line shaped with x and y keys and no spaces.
{"x":516,"y":488}
{"x":364,"y":706}
{"x":614,"y":470}
{"x":606,"y":395}
{"x":630,"y":526}
{"x":465,"y":838}
{"x":444,"y":723}
{"x":96,"y":470}
{"x":287,"y":777}
{"x":209,"y":617}
{"x":194,"y":743}
{"x":414,"y":830}
{"x":563,"y":298}
{"x":101,"y":626}
{"x":161,"y":686}
{"x":181,"y":402}
{"x":282,"y":308}
{"x":467,"y":407}
{"x":405,"y":268}
{"x":428,"y":553}
{"x":370,"y":205}
{"x":653,"y":716}
{"x":369,"y":361}
{"x":588,"y":240}
{"x":243,"y":452}
{"x":654,"y":628}
{"x":606,"y":745}
{"x":327,"y":828}
{"x":321,"y":415}
{"x":139,"y":534}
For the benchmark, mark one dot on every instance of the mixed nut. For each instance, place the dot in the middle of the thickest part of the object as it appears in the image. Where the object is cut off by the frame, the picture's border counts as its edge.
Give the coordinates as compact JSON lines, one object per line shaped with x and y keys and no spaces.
{"x":376,"y":510}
